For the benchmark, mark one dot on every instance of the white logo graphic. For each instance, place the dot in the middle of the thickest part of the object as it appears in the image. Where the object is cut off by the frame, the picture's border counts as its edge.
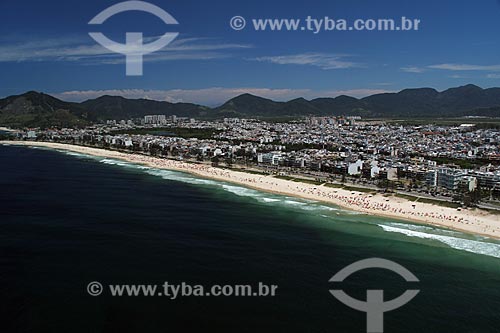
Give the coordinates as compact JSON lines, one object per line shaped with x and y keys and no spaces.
{"x":133,"y":49}
{"x":94,"y":288}
{"x":374,"y":305}
{"x":238,"y":23}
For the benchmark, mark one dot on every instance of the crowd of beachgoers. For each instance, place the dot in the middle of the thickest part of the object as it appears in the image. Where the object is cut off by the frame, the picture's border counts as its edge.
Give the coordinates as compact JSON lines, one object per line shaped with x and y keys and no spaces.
{"x":474,"y":221}
{"x":377,"y":204}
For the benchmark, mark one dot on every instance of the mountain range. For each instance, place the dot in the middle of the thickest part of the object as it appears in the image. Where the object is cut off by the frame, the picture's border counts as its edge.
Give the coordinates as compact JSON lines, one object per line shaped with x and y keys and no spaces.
{"x":35,"y":109}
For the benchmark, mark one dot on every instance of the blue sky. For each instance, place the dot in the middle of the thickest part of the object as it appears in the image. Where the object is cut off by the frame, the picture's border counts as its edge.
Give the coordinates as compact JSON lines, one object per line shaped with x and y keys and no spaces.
{"x":45,"y":46}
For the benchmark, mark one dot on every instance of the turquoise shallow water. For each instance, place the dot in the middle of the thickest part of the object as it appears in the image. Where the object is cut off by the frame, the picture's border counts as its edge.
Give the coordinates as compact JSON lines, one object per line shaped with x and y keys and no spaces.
{"x":68,"y":219}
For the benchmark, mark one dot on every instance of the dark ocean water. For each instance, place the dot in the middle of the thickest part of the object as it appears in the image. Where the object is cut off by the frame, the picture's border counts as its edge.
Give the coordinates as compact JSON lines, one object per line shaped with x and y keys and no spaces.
{"x":67,"y":220}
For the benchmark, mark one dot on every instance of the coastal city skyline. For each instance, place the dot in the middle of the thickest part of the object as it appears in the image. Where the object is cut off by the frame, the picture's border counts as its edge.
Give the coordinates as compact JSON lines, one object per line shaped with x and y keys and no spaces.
{"x":262,"y":166}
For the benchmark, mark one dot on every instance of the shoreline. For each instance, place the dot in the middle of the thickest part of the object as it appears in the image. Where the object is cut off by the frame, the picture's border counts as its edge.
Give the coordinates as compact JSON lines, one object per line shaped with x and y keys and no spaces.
{"x":476,"y":221}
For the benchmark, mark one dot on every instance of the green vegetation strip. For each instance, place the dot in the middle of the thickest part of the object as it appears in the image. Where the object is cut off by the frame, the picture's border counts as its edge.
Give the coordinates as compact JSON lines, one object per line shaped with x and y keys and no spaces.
{"x":182,"y":132}
{"x":352,"y":188}
{"x":428,"y":200}
{"x":299,"y":180}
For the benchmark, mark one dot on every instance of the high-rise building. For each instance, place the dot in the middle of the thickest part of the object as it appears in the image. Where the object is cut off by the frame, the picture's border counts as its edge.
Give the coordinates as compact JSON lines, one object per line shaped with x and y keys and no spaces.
{"x":155,"y":120}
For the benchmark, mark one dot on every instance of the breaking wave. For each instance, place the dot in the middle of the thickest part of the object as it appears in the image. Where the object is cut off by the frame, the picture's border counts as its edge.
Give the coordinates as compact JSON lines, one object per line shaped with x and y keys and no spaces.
{"x":443,"y":236}
{"x":450,"y":238}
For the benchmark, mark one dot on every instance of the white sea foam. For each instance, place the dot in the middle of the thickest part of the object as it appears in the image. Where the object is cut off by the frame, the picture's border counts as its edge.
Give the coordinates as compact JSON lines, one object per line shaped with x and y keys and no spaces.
{"x":294,"y":203}
{"x":469,"y":245}
{"x":262,"y":197}
{"x":419,"y":231}
{"x":352,"y":212}
{"x":241,"y":191}
{"x":328,"y":208}
{"x":424,"y":228}
{"x":309,"y":205}
{"x":76,"y":154}
{"x":270,"y":200}
{"x":177,"y":176}
{"x":109,"y":161}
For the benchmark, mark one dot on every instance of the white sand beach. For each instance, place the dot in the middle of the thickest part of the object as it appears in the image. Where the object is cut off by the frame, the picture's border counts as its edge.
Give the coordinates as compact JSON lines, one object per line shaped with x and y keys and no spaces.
{"x":473,"y":221}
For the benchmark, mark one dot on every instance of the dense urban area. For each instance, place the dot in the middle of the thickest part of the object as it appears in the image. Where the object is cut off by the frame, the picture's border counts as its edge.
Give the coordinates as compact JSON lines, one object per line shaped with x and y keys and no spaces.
{"x":457,"y":164}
